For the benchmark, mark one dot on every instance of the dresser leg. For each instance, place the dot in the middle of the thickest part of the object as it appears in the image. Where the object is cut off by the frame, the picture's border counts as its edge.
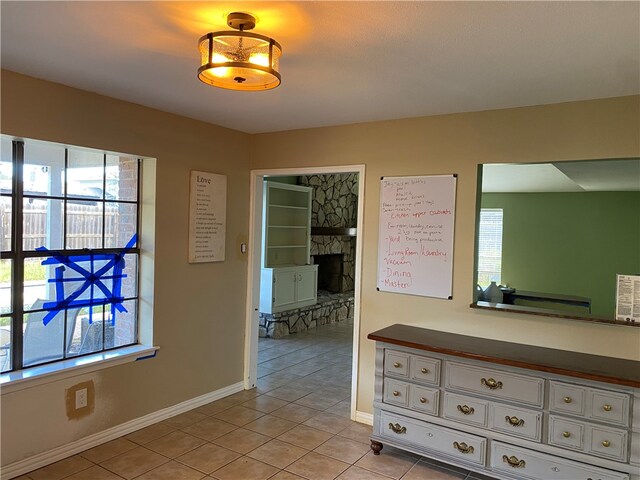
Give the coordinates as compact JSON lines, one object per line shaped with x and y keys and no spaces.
{"x":376,"y":447}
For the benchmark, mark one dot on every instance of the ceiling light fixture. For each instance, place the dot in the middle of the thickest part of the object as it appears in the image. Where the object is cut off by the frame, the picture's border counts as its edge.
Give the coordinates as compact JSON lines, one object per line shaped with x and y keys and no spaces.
{"x":239,"y":60}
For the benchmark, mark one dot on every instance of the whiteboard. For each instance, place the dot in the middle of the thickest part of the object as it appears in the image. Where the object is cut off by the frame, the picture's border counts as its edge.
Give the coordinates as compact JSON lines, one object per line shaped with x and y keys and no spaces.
{"x":415,"y":241}
{"x":207,"y":217}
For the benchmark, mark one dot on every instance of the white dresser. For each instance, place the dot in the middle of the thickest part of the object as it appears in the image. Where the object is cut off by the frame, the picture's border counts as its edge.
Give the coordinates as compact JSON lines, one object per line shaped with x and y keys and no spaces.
{"x":506,"y":410}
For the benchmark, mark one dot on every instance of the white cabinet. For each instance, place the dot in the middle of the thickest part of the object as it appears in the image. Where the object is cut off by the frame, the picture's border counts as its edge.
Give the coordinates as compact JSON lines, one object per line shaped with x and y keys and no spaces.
{"x":287,"y":279}
{"x":287,"y":288}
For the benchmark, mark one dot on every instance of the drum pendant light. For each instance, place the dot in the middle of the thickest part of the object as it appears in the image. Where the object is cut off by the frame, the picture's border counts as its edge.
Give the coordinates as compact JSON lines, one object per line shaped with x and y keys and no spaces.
{"x":239,"y":60}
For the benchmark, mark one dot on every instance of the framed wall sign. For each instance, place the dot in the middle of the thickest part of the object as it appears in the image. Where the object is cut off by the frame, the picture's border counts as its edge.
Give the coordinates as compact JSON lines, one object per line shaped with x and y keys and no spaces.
{"x":207,"y":217}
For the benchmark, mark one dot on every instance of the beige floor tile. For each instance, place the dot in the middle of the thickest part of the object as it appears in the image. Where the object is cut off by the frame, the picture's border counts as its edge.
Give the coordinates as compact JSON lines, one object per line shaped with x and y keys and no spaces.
{"x":278,"y":453}
{"x":210,"y":429}
{"x":172,"y":471}
{"x":295,"y":413}
{"x":208,"y":457}
{"x":264,"y":403}
{"x":290,"y":393}
{"x":270,"y":425}
{"x":217,"y":406}
{"x":357,"y":473}
{"x":344,"y":449}
{"x":107,"y":450}
{"x":134,"y":462}
{"x":239,"y":415}
{"x":241,"y":440}
{"x":243,"y":395}
{"x":305,"y":437}
{"x":147,"y":434}
{"x":61,"y":469}
{"x":328,"y":422}
{"x":390,"y":464}
{"x":421,"y":471}
{"x":282,"y":475}
{"x":185,"y":419}
{"x":342,"y":409}
{"x":94,"y":473}
{"x":317,"y":400}
{"x":175,"y":444}
{"x":245,"y":468}
{"x":317,"y":467}
{"x":358,"y":432}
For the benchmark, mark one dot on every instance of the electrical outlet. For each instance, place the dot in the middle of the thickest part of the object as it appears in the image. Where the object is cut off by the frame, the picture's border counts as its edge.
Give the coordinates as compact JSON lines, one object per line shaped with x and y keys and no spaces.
{"x":81,"y":398}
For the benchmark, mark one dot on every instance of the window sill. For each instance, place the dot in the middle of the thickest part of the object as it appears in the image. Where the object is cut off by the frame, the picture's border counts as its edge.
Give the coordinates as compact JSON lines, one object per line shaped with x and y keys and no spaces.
{"x":31,"y":377}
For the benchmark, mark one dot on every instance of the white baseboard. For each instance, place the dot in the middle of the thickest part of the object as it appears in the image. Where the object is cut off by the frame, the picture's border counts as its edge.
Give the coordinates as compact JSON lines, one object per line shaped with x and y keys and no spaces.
{"x":363,"y":417}
{"x":45,"y":458}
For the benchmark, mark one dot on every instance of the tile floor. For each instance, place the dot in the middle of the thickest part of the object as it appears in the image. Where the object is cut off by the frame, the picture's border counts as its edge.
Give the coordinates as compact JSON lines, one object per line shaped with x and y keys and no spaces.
{"x":294,"y":425}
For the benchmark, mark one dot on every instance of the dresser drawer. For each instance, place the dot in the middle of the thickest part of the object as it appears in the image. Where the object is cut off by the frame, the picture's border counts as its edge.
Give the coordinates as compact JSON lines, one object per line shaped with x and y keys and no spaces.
{"x":516,"y":421}
{"x":425,"y":436}
{"x":566,"y":433}
{"x":594,"y":403}
{"x":424,"y":399}
{"x":611,"y":407}
{"x":395,"y":392}
{"x":566,"y":398}
{"x":607,"y":442}
{"x":495,"y":383}
{"x":396,"y":363}
{"x":425,"y":370}
{"x":523,"y":463}
{"x":465,"y":409}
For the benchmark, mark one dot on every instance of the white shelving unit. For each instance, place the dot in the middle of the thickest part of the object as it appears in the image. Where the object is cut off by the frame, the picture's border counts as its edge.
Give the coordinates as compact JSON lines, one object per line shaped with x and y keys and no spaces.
{"x":288,"y":280}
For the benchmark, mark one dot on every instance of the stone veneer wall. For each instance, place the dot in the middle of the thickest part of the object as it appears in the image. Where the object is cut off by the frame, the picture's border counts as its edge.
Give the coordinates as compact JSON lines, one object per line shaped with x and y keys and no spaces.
{"x":334,"y":204}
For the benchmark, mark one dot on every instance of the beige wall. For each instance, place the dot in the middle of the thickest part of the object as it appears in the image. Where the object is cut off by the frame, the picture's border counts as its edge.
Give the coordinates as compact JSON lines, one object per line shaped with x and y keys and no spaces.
{"x":456,"y":144}
{"x":199,"y":309}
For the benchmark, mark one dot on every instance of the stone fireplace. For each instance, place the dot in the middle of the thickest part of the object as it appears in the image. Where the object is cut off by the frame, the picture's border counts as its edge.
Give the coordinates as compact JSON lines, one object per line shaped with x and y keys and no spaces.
{"x":330,"y":268}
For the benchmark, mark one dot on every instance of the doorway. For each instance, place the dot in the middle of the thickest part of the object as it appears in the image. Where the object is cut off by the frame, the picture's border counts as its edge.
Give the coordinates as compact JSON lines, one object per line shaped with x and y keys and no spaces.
{"x":254,"y":270}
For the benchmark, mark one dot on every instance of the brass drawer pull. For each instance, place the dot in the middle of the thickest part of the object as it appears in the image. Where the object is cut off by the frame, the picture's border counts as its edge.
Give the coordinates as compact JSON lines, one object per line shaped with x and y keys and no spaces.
{"x":466,"y":410}
{"x":463,"y":447}
{"x":491,"y":384}
{"x":396,"y":393}
{"x":606,"y":443}
{"x":567,"y":399}
{"x":397,"y":428}
{"x":423,"y":400}
{"x":566,"y":434}
{"x":424,"y":370}
{"x":513,"y":461}
{"x":514,"y":421}
{"x":397,"y":364}
{"x":607,"y":408}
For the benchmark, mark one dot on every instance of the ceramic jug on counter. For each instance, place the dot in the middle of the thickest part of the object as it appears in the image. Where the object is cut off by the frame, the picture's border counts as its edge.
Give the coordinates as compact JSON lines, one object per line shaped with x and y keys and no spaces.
{"x":493,"y":293}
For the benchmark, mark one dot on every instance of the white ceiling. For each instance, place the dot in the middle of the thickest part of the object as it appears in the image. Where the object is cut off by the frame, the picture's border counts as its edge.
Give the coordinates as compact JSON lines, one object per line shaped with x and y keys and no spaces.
{"x":577,"y":176}
{"x":343,"y":62}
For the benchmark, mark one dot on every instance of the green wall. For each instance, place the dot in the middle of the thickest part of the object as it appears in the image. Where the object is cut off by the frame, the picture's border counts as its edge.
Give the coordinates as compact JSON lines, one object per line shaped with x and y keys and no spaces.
{"x":569,"y":243}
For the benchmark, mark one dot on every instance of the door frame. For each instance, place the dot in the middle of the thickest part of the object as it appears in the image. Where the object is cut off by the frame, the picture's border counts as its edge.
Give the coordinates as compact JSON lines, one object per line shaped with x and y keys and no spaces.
{"x":254,"y":267}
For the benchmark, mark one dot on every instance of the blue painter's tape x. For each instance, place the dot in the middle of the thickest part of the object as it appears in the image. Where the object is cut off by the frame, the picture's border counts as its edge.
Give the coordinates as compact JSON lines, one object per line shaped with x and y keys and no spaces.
{"x":93,"y":283}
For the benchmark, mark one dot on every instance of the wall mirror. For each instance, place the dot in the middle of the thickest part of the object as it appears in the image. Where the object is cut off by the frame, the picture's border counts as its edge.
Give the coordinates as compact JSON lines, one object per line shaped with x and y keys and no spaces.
{"x":554,"y":236}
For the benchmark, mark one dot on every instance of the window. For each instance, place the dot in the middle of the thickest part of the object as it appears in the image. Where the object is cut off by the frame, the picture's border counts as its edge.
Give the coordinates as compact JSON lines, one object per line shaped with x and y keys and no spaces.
{"x":70,"y":252}
{"x":490,"y":246}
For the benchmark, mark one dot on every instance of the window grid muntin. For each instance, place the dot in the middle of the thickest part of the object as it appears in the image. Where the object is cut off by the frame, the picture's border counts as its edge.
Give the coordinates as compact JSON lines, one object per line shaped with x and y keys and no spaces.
{"x":18,"y":254}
